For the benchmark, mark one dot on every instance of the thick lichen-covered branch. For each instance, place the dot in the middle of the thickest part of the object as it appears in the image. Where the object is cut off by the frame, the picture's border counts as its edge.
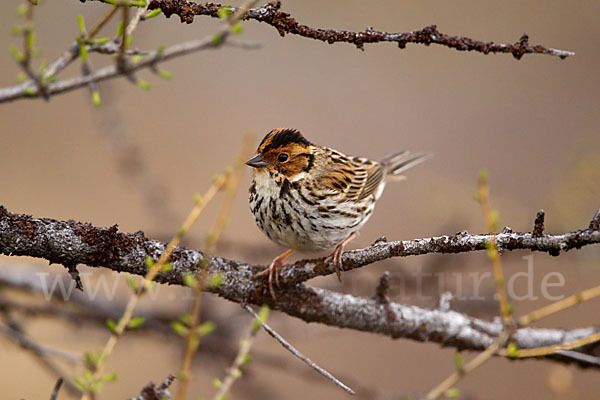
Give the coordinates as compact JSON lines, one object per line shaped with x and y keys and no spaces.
{"x":70,"y":243}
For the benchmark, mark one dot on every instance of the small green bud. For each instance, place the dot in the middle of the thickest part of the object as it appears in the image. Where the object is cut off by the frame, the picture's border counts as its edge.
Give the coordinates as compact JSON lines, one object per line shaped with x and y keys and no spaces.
{"x":96,"y":98}
{"x":459,"y":360}
{"x":190,"y":281}
{"x":112,"y":326}
{"x":21,"y":76}
{"x":110,"y":377}
{"x":101,"y":41}
{"x":132,"y":283}
{"x":83,"y":53}
{"x":16,"y":54}
{"x":22,"y":9}
{"x":263,"y":315}
{"x":206,"y":328}
{"x":168,"y":267}
{"x":483,"y":175}
{"x":143,"y":84}
{"x":166,"y":75}
{"x":81,"y":24}
{"x":160,"y":51}
{"x":128,"y":39}
{"x":237,"y":28}
{"x":149,"y":262}
{"x":120,"y":29}
{"x":16,"y":30}
{"x":512,"y":350}
{"x":223,"y":12}
{"x":179,"y":328}
{"x":136,"y":58}
{"x":452,"y":393}
{"x":29,"y":91}
{"x":215,"y":280}
{"x":216,"y":39}
{"x":216,"y":383}
{"x":136,"y":322}
{"x":153,"y":13}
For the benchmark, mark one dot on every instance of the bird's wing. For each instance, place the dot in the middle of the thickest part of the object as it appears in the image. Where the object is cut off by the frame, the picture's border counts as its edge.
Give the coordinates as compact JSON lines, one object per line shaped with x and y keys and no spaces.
{"x":356,"y":178}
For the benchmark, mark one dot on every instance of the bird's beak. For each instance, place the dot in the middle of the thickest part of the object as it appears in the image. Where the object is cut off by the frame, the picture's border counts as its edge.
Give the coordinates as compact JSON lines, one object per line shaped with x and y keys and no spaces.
{"x":257,"y":162}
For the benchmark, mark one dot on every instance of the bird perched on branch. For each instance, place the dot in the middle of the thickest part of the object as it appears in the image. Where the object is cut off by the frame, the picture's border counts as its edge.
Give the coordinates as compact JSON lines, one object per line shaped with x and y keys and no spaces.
{"x":308,"y":197}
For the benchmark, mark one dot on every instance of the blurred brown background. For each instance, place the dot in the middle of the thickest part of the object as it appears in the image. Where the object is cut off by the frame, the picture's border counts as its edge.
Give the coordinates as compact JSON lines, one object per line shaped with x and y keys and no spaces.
{"x":532,"y":123}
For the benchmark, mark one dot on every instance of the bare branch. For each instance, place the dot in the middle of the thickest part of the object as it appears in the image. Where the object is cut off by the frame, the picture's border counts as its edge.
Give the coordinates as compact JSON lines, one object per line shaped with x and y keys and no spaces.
{"x":295,"y":352}
{"x":71,"y":242}
{"x":284,"y":23}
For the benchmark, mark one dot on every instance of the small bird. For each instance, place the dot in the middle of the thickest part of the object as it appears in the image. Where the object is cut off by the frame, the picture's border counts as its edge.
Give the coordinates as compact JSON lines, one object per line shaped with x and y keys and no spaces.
{"x":308,"y":197}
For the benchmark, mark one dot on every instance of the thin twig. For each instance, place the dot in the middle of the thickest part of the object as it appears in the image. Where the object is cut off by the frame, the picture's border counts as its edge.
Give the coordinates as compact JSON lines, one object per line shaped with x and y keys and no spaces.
{"x":476,"y":362}
{"x":296,"y":353}
{"x":234,"y":372}
{"x":492,"y":250}
{"x":232,"y":187}
{"x":56,"y":389}
{"x":154,"y":270}
{"x":559,"y":305}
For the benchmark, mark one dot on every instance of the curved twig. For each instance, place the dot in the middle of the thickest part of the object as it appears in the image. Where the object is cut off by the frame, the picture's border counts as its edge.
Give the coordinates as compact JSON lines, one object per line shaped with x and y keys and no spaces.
{"x":271,"y":14}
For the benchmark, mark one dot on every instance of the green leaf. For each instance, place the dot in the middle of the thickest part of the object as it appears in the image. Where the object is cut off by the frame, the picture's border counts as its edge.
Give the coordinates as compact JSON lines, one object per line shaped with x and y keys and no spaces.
{"x":153,"y":13}
{"x":197,"y":198}
{"x":112,"y":326}
{"x":81,"y":24}
{"x":160,"y":51}
{"x":216,"y":383}
{"x":452,"y":393}
{"x":136,"y":322}
{"x":137,"y":3}
{"x":206,"y":328}
{"x":21,"y":76}
{"x":128,"y":39}
{"x":179,"y":328}
{"x":136,"y":58}
{"x":96,"y":101}
{"x":43,"y":66}
{"x":29,"y":91}
{"x":168,"y":267}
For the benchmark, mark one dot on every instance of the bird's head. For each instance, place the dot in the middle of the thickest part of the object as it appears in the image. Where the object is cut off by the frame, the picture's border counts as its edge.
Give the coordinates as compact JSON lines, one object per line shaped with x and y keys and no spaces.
{"x":285,"y":152}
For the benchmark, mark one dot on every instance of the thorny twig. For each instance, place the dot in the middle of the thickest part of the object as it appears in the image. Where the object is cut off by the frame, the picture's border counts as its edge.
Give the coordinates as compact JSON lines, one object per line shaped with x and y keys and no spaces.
{"x":271,"y":14}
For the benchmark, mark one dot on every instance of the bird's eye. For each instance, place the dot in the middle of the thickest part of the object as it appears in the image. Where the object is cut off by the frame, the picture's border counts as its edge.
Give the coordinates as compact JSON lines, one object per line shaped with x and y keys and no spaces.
{"x":282,"y":157}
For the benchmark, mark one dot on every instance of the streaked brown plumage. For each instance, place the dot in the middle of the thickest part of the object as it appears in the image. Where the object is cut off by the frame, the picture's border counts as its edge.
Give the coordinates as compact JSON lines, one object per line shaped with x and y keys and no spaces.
{"x":308,"y":197}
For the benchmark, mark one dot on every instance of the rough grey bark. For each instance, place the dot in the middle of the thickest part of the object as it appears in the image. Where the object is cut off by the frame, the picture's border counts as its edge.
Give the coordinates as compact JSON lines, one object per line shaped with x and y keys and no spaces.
{"x":71,"y":243}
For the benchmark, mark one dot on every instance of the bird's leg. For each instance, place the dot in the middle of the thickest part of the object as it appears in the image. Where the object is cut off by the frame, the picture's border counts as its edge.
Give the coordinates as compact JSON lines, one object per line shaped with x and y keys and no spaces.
{"x":273,"y":270}
{"x":336,"y":256}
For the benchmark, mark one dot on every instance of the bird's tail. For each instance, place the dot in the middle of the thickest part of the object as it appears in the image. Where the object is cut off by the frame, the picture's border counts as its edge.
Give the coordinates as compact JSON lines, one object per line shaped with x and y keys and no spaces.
{"x":397,"y":163}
